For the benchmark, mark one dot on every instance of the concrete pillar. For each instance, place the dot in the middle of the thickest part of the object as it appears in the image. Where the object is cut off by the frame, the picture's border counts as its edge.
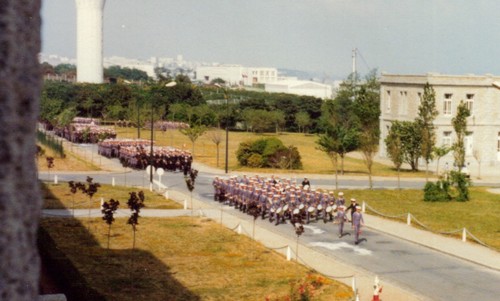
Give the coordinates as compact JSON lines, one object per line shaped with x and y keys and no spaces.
{"x":89,"y":20}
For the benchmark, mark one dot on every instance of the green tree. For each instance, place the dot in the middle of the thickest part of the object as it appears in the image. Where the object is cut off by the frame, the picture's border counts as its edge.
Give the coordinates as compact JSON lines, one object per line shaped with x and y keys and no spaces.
{"x":427,"y":112}
{"x":395,"y":151}
{"x":193,"y":133}
{"x":459,"y":123}
{"x":278,"y":119}
{"x":367,"y":109}
{"x":303,"y":120}
{"x":216,"y":137}
{"x":341,"y":125}
{"x":411,"y":141}
{"x":439,"y":152}
{"x":257,"y":120}
{"x":329,"y":145}
{"x":50,"y":108}
{"x":66,"y":117}
{"x":125,"y":73}
{"x":65,"y":69}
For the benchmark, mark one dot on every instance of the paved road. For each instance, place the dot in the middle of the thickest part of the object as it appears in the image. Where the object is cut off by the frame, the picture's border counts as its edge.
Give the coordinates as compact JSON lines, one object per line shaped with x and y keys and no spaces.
{"x":427,"y":272}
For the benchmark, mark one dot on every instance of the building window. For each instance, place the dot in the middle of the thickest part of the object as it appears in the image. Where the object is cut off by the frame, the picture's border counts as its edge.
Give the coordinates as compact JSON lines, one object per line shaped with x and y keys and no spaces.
{"x":447,"y":138}
{"x":498,"y":147}
{"x":388,"y":101}
{"x":403,"y":106}
{"x":447,"y":104}
{"x":498,"y":142}
{"x":470,"y":103}
{"x":468,"y":143}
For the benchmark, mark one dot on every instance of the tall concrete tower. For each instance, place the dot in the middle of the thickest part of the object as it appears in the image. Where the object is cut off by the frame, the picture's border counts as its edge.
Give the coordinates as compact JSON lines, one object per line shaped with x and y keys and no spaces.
{"x":89,"y":15}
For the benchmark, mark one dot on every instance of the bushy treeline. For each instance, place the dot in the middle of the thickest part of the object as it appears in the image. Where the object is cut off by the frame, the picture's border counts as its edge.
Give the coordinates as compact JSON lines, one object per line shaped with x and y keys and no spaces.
{"x":185,"y":102}
{"x":208,"y":105}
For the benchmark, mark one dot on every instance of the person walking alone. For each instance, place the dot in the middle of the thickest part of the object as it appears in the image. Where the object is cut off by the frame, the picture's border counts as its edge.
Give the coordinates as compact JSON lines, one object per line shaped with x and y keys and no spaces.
{"x":357,"y":222}
{"x":340,"y":218}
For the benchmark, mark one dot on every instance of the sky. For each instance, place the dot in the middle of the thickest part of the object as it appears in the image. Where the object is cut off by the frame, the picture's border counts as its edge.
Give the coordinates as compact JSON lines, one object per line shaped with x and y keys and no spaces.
{"x":393,"y":36}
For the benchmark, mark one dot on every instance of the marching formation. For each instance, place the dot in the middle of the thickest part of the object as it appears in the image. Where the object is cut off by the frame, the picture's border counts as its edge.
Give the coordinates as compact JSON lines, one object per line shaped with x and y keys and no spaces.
{"x":85,"y":130}
{"x":136,"y":154}
{"x":280,"y":200}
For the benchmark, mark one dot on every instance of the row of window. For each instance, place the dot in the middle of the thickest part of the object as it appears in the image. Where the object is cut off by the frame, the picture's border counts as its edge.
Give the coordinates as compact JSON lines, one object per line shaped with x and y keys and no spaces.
{"x":468,"y":140}
{"x":446,"y":108}
{"x":262,"y":73}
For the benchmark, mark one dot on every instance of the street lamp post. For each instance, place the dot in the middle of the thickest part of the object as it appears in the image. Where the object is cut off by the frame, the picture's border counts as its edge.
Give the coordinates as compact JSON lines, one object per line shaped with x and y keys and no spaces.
{"x":169,"y":85}
{"x":227,"y":128}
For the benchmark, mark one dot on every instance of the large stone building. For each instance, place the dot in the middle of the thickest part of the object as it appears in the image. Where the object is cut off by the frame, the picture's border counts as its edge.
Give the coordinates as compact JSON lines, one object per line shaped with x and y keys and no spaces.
{"x":301,"y":87}
{"x":237,"y":75}
{"x":400,"y":98}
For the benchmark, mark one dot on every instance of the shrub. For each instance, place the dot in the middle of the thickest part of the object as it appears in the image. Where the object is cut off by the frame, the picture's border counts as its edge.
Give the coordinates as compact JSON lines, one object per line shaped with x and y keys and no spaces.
{"x":285,"y":157}
{"x":273,"y":146}
{"x":461,"y":185}
{"x":268,"y":152}
{"x":437,"y":192}
{"x":455,"y":187}
{"x":255,"y":160}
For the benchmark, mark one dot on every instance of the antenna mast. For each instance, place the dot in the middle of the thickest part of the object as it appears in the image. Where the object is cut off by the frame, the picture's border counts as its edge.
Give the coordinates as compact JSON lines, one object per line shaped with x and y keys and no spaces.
{"x":354,"y":60}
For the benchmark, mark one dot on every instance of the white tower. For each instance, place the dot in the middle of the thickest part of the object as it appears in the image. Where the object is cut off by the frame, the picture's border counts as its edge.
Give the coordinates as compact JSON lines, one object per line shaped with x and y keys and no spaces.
{"x":89,"y":40}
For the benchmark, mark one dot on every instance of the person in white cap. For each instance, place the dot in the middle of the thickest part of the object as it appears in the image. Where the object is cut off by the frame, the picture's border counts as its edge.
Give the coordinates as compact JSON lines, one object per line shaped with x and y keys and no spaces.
{"x":340,"y":200}
{"x":340,"y":219}
{"x":357,"y":222}
{"x":352,"y":207}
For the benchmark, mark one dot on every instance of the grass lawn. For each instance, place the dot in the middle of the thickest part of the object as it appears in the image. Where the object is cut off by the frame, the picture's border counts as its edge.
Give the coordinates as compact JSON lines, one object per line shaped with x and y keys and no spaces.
{"x":313,"y":160}
{"x":479,"y":216}
{"x":59,"y":197}
{"x":182,"y":258}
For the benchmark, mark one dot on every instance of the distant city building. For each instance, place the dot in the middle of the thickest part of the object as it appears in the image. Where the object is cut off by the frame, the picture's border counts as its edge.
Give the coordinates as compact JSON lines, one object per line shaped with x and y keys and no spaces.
{"x":237,"y":75}
{"x":400,"y":98}
{"x":300,"y":87}
{"x":89,"y":19}
{"x":146,"y":66}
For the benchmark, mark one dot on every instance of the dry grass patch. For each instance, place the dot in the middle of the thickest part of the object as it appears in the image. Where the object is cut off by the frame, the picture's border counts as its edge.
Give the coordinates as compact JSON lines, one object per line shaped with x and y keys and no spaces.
{"x":181,"y":259}
{"x":60,"y":197}
{"x":479,"y":216}
{"x":71,"y":162}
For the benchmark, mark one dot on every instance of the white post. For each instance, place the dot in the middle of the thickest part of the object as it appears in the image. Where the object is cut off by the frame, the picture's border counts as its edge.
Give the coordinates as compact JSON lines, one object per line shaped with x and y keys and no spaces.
{"x":363,"y":207}
{"x":55,"y":179}
{"x":288,"y":253}
{"x":408,"y":219}
{"x":151,"y":187}
{"x":464,"y":235}
{"x":166,"y":194}
{"x":239,"y":229}
{"x":185,"y":204}
{"x":102,"y":203}
{"x":353,"y":285}
{"x":113,"y":181}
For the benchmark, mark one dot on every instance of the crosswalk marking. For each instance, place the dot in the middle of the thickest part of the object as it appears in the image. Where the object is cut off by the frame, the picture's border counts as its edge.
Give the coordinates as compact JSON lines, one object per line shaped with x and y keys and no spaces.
{"x":342,"y":245}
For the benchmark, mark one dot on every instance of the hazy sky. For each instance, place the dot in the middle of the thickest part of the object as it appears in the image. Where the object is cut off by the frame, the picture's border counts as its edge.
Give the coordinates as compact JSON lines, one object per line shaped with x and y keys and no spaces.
{"x":394,"y":36}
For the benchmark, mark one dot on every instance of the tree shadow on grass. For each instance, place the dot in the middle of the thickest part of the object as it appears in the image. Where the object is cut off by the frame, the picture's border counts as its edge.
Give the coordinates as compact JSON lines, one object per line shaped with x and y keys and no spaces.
{"x":84,"y":270}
